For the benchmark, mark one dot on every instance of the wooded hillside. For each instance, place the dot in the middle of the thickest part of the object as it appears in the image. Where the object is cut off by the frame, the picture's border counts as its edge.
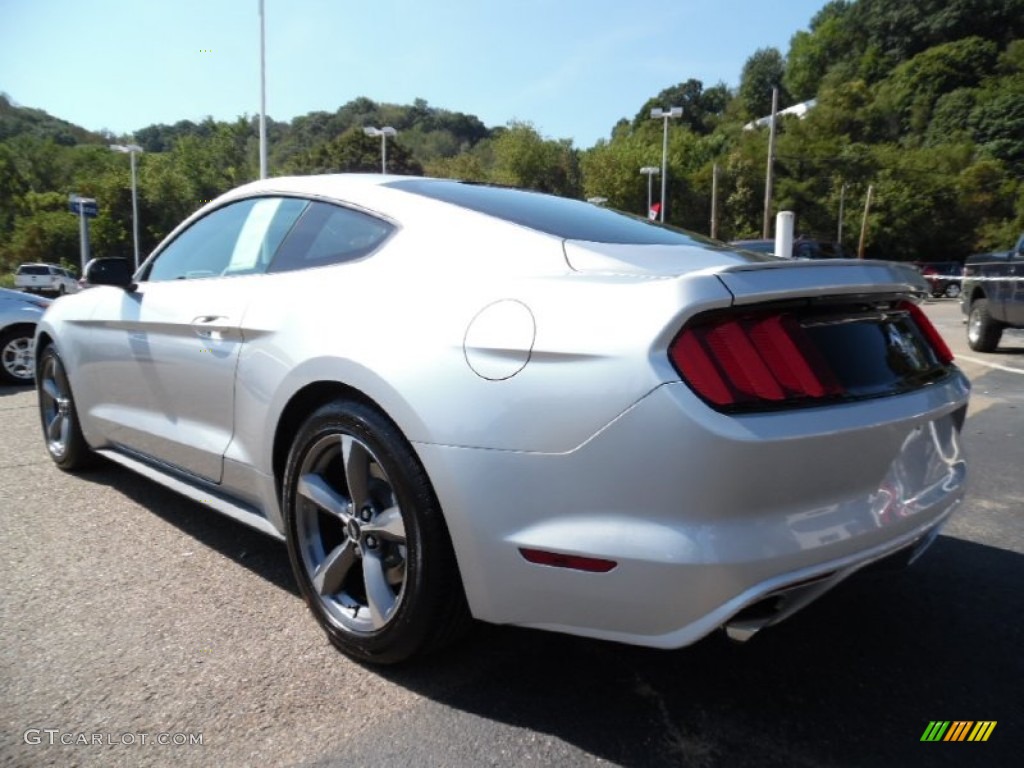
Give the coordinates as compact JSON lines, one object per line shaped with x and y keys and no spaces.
{"x":923,"y":100}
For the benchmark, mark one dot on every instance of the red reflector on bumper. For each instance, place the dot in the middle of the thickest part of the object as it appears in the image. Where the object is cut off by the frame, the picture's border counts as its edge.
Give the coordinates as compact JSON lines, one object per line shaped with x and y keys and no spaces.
{"x":574,"y":562}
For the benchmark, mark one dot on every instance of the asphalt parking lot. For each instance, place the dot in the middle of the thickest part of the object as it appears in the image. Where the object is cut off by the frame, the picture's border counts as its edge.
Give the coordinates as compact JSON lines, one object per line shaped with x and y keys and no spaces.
{"x":129,"y":613}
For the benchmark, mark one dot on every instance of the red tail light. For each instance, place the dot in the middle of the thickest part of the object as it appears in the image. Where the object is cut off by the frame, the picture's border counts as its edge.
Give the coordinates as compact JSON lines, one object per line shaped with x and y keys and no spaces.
{"x":738,"y":361}
{"x":939,"y":346}
{"x":771,"y":359}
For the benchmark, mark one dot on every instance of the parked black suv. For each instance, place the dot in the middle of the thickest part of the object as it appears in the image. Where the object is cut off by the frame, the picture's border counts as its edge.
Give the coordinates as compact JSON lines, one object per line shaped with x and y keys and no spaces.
{"x":993,"y":296}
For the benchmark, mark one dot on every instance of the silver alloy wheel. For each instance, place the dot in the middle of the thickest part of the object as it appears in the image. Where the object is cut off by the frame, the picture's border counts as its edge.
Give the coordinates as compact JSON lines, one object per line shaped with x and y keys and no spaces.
{"x":350,"y":534}
{"x":18,"y":357}
{"x":55,"y":405}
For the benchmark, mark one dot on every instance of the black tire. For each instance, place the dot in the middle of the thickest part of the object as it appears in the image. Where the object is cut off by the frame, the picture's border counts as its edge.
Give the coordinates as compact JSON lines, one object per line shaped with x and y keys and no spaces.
{"x":383,"y":534}
{"x":983,"y":332}
{"x":59,"y":415}
{"x":952,"y":291}
{"x":16,"y":360}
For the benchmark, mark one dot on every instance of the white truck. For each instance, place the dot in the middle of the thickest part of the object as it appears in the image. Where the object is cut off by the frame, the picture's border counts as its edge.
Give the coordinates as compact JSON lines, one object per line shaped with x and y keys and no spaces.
{"x":45,"y":278}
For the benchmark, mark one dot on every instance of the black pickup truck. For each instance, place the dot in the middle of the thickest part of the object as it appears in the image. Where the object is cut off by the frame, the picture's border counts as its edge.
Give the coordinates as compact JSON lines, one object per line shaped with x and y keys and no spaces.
{"x":993,"y":296}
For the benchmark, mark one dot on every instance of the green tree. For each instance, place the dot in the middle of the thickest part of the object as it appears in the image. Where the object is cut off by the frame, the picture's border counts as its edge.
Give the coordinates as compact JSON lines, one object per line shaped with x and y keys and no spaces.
{"x":812,"y":54}
{"x":762,"y":72}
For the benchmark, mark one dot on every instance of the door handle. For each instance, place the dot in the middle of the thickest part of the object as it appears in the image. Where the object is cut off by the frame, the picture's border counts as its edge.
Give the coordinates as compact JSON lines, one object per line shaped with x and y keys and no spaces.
{"x":208,"y":327}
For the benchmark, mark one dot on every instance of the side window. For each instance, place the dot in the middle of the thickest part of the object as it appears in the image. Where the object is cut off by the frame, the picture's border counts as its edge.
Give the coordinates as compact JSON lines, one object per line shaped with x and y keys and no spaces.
{"x":238,"y":239}
{"x":268,"y":223}
{"x":329,"y":234}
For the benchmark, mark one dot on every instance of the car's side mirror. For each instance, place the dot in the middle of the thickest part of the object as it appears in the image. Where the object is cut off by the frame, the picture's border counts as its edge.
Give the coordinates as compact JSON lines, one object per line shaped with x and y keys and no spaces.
{"x":117,"y":272}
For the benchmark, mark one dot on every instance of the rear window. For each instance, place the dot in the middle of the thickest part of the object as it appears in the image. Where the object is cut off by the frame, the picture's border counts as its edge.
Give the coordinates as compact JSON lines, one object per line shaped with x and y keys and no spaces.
{"x":558,"y":216}
{"x":34,"y":269}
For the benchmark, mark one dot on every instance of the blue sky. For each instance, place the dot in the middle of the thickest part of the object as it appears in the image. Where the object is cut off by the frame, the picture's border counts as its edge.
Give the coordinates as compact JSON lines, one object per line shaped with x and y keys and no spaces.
{"x":572,"y":68}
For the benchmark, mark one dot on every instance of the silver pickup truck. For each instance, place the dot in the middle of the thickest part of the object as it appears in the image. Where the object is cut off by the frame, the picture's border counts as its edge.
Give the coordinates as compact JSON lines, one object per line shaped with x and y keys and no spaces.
{"x":993,"y":296}
{"x":45,"y":278}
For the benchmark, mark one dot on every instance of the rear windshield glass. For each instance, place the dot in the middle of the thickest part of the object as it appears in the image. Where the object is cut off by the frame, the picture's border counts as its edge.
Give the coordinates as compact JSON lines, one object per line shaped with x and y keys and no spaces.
{"x":558,"y":216}
{"x":33,"y":270}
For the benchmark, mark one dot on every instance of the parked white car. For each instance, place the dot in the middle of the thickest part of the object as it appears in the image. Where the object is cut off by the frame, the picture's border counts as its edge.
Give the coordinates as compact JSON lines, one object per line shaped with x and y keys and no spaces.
{"x":18,"y":317}
{"x":45,"y":278}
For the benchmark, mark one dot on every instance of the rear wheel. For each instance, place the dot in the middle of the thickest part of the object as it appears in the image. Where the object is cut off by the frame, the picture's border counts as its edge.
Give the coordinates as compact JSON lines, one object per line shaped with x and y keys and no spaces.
{"x":952,"y":291}
{"x":983,"y":332}
{"x":63,"y":433}
{"x":366,"y":537}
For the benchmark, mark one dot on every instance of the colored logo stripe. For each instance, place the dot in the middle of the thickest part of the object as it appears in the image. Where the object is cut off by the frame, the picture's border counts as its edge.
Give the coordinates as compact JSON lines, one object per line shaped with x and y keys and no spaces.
{"x":982,"y":730}
{"x":958,"y":730}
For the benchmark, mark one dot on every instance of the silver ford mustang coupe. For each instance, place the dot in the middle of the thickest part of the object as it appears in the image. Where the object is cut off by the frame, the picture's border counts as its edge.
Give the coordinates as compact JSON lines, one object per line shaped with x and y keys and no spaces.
{"x":458,"y":401}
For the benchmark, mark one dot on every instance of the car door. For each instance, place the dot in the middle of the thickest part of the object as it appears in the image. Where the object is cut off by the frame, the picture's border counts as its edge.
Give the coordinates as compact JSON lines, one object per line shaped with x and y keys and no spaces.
{"x":162,"y":357}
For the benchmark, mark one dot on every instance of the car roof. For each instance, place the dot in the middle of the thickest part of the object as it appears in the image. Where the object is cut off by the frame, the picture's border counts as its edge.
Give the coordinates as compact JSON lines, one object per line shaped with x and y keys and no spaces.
{"x":399,"y":197}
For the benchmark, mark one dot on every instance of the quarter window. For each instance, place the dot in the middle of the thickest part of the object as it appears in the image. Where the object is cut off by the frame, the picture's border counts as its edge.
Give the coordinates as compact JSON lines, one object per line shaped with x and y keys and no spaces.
{"x":329,"y":234}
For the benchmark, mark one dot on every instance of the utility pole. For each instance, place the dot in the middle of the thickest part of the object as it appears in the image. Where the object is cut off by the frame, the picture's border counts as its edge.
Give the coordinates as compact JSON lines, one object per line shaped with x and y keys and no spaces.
{"x":839,"y":229}
{"x":864,"y":222}
{"x":771,"y":167}
{"x":714,"y":202}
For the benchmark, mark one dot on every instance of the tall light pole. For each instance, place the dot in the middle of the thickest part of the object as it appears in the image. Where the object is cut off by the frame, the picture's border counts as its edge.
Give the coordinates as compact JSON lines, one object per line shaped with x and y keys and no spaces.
{"x":384,"y":132}
{"x":131,"y":149}
{"x":649,"y":171}
{"x":665,"y":114}
{"x":263,"y":96}
{"x":770,"y":171}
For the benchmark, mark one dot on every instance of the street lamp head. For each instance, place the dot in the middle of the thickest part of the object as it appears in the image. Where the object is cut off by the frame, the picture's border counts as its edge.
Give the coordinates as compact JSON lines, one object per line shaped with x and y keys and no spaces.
{"x":657,"y":113}
{"x":387,"y":130}
{"x":126,"y":148}
{"x":650,"y":170}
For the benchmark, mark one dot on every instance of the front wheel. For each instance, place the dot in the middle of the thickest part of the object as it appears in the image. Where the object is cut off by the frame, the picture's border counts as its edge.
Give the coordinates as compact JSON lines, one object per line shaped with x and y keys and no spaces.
{"x":16,"y":354}
{"x":983,"y":332}
{"x":952,"y":291}
{"x":59,"y":417}
{"x":366,"y":537}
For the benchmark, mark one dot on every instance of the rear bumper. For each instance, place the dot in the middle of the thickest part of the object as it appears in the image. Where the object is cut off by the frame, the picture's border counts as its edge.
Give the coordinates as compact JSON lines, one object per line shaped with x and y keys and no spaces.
{"x":703,"y":514}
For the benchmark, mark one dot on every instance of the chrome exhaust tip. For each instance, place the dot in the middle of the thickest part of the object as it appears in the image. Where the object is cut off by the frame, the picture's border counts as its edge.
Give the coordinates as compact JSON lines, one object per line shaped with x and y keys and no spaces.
{"x":742,"y":631}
